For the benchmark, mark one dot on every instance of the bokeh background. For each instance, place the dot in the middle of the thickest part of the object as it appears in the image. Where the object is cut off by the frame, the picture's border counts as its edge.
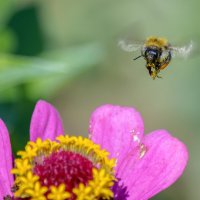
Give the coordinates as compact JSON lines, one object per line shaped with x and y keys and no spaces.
{"x":66,"y":52}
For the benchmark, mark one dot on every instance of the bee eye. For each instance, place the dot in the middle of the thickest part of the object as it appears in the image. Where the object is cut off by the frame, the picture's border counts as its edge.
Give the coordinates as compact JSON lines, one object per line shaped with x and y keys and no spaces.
{"x":151,"y":54}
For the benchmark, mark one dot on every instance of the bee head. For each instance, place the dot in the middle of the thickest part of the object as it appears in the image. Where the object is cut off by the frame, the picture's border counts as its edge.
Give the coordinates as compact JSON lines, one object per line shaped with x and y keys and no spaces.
{"x":152,"y":54}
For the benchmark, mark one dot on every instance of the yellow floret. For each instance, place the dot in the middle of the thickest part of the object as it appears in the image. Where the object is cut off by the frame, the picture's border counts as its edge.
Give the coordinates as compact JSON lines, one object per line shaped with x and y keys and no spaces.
{"x":59,"y":193}
{"x":29,"y":185}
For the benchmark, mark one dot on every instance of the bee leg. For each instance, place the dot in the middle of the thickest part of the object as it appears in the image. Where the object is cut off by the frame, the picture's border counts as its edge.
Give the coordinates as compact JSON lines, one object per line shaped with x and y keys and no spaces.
{"x":149,"y":69}
{"x":158,"y":76}
{"x":157,"y":71}
{"x":154,"y":75}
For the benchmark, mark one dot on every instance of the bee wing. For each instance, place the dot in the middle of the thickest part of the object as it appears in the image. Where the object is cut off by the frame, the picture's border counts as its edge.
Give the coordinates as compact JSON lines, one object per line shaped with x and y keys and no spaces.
{"x":126,"y":46}
{"x":183,"y":51}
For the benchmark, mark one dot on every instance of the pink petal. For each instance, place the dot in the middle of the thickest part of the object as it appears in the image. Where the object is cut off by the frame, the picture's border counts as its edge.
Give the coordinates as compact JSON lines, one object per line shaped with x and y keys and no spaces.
{"x":163,"y":163}
{"x":116,"y":129}
{"x":46,"y":122}
{"x":6,"y":179}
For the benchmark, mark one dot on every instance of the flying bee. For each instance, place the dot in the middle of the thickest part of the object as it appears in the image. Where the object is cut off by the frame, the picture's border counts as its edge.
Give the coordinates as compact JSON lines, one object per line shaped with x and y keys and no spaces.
{"x":157,"y":52}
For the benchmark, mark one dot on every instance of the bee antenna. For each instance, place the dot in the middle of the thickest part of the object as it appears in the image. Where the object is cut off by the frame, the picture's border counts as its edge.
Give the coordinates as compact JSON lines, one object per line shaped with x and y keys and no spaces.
{"x":137,"y":57}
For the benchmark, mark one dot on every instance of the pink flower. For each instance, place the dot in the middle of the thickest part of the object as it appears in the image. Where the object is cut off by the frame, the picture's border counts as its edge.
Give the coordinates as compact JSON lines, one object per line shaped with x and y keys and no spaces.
{"x":45,"y":123}
{"x":146,"y":164}
{"x":6,"y":179}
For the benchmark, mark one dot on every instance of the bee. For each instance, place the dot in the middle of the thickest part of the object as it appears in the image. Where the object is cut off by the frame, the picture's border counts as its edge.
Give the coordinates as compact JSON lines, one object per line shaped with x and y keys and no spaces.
{"x":157,"y":52}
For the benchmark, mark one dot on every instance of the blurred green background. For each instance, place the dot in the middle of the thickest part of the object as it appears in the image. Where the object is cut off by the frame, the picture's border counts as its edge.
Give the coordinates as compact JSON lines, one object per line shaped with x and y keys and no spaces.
{"x":66,"y":52}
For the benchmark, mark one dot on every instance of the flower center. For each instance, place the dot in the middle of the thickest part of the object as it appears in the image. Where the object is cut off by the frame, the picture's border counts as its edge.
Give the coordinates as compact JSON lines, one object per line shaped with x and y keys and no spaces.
{"x":69,"y":168}
{"x":64,"y":167}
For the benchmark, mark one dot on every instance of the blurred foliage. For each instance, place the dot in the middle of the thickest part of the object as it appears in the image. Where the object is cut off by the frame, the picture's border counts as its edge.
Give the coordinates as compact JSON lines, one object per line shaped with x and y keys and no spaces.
{"x":66,"y":52}
{"x":29,"y":71}
{"x":51,"y":70}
